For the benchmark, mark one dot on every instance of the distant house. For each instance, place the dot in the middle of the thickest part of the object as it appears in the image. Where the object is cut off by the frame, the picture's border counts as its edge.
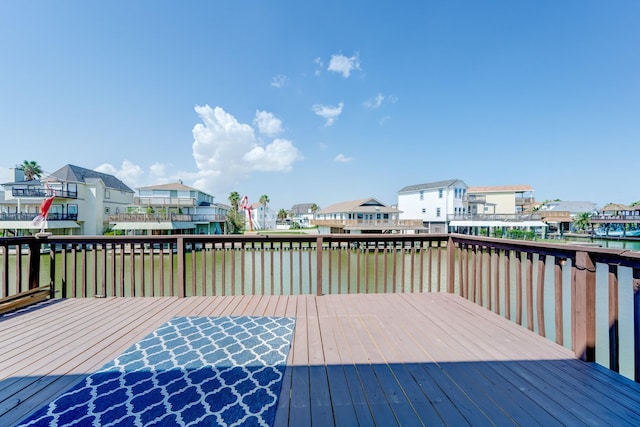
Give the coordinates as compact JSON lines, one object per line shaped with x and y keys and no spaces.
{"x":493,"y":210}
{"x":262,"y":217}
{"x":504,"y":199}
{"x":84,"y":200}
{"x":362,"y":216}
{"x":560,"y":215}
{"x":303,"y":213}
{"x":432,"y":203}
{"x":172,"y":208}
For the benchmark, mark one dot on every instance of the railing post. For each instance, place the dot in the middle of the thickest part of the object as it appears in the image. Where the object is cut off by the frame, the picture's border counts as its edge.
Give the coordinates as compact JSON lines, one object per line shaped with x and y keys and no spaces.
{"x":584,"y":310}
{"x":319,"y":250}
{"x":181,"y":268}
{"x":451,"y":266}
{"x":34,"y":264}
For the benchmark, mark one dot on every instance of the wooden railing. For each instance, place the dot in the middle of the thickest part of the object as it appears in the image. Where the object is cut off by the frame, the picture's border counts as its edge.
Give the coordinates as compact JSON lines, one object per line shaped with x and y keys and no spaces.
{"x":551,"y":289}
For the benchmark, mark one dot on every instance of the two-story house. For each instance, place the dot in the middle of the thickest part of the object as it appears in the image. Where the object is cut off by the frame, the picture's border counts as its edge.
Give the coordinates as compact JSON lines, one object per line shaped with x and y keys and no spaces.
{"x":83,"y":201}
{"x":491,"y":208}
{"x":302,"y":213}
{"x":172,"y":208}
{"x":432,"y":203}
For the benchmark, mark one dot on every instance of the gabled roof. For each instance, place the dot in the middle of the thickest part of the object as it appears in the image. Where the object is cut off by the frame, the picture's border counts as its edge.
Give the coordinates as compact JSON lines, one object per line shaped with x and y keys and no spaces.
{"x":430,"y":185}
{"x":369,"y":204}
{"x":178,"y":186}
{"x":72,"y":173}
{"x":500,"y":189}
{"x":301,"y":208}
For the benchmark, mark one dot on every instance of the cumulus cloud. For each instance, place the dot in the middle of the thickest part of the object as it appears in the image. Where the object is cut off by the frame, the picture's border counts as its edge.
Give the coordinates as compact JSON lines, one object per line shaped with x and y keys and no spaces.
{"x":374,"y":103}
{"x":267,"y":123}
{"x":344,"y":65}
{"x":227,"y":151}
{"x":279,"y":81}
{"x":330,"y":113}
{"x":342,"y":158}
{"x":129,"y":173}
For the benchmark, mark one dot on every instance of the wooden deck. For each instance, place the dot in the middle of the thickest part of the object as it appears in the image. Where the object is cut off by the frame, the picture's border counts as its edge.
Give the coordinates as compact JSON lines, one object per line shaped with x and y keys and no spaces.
{"x":382,"y":359}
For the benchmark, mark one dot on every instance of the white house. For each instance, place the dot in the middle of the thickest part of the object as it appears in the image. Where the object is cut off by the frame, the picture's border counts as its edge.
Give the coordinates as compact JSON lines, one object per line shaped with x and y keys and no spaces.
{"x":432,"y":203}
{"x":303,"y":213}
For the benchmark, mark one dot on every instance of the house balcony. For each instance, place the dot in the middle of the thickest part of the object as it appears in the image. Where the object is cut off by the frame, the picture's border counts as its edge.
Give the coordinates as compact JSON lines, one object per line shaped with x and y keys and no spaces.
{"x":43,"y":193}
{"x":165,"y":202}
{"x":414,"y":330}
{"x":474,"y":198}
{"x":52,"y":216}
{"x":495,"y":217}
{"x":165,"y":217}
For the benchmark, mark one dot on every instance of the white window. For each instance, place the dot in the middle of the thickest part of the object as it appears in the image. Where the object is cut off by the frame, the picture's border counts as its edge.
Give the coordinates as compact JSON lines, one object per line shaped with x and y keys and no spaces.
{"x":440,"y":192}
{"x":421,"y":195}
{"x":424,"y":210}
{"x":438,"y":212}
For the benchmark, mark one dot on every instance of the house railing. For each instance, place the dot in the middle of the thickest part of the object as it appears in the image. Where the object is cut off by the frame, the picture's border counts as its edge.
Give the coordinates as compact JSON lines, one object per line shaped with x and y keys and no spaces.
{"x":494,"y":217}
{"x":554,"y":290}
{"x":43,"y":192}
{"x":24,"y":216}
{"x":159,"y":217}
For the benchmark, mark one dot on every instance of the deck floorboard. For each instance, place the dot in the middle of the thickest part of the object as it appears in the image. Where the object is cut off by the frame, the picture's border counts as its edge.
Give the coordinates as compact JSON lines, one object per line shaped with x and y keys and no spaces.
{"x":366,"y":359}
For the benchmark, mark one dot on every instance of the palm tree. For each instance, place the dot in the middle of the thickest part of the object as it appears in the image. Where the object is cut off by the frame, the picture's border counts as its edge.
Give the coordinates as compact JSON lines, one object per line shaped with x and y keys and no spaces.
{"x":314,"y":208}
{"x":582,"y":221}
{"x":264,"y":199}
{"x":234,"y":199}
{"x":235,"y":220}
{"x":282,"y":214}
{"x":31,"y":169}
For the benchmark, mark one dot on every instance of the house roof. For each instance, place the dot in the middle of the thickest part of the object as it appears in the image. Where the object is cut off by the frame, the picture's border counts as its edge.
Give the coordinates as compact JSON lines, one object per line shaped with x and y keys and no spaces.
{"x":569,"y":206}
{"x":429,"y":185}
{"x":499,"y":189}
{"x":616,"y":207}
{"x":72,"y":173}
{"x":301,"y":208}
{"x":369,"y":204}
{"x":178,"y":186}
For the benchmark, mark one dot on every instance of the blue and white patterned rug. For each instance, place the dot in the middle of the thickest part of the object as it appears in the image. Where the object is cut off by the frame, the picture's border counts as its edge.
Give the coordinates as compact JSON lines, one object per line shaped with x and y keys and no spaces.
{"x":191,"y":371}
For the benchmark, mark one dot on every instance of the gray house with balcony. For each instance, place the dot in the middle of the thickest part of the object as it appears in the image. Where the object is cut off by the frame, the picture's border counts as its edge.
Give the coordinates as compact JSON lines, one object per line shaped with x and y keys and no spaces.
{"x":172,"y":208}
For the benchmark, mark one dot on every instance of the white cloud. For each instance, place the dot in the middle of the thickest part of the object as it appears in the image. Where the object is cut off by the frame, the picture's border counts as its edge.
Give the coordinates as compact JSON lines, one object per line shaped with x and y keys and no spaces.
{"x":267,"y":123}
{"x":275,"y":157}
{"x":375,"y":102}
{"x":129,"y":173}
{"x":331,"y":114}
{"x":158,"y":170}
{"x":342,"y":158}
{"x":279,"y":81}
{"x":319,"y":66}
{"x":227,"y":151}
{"x":344,"y":65}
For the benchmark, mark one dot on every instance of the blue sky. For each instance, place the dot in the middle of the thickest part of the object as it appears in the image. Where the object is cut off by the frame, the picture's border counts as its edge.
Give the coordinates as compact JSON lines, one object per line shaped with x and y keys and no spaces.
{"x":323,"y":102}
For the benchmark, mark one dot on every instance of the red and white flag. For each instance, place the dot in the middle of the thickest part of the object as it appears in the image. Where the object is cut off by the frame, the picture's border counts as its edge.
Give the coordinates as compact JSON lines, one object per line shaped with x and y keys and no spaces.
{"x":39,"y":221}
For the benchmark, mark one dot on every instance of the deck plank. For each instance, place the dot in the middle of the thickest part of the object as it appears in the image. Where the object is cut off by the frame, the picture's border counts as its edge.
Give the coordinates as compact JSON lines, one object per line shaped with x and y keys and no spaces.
{"x":369,"y":359}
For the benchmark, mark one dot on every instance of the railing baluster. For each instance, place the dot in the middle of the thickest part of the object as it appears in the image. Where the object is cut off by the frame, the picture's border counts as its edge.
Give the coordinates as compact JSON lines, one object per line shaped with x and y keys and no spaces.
{"x":559,"y":319}
{"x":614,"y":344}
{"x":507,"y":283}
{"x":495,"y":257}
{"x":540,"y":293}
{"x":529,"y":291}
{"x":518,"y":256}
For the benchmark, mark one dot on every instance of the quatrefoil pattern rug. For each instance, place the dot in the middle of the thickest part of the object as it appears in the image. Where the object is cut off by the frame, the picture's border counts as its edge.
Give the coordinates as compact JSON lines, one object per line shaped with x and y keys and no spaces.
{"x":191,"y":371}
